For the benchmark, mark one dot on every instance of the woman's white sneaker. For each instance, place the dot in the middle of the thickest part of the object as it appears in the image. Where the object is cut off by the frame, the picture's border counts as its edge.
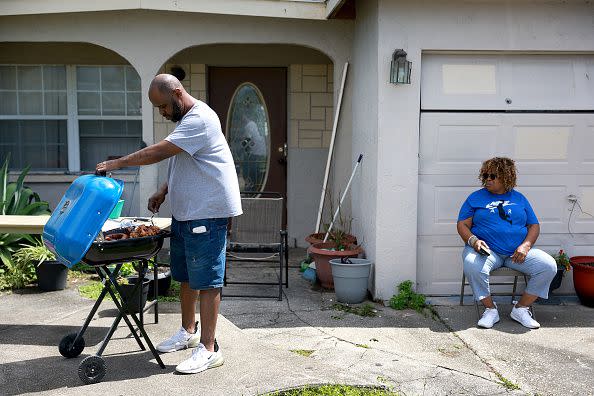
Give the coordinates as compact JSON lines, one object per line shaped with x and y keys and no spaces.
{"x":180,"y":340}
{"x":489,"y":318}
{"x":201,"y":360}
{"x":524,"y":316}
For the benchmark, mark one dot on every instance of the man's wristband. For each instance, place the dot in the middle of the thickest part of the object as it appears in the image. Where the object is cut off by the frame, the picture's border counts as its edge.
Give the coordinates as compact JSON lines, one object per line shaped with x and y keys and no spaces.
{"x":472,"y":240}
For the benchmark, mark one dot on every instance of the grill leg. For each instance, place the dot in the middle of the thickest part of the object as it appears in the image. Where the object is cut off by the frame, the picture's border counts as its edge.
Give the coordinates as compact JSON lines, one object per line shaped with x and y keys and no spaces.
{"x":84,"y":327}
{"x":121,"y":308}
{"x":139,"y":325}
{"x":156,"y":289}
{"x":109,"y":334}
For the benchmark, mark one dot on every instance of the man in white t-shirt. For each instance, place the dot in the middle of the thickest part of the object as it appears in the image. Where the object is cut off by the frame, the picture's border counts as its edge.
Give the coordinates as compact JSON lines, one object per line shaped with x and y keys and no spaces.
{"x":204,"y":192}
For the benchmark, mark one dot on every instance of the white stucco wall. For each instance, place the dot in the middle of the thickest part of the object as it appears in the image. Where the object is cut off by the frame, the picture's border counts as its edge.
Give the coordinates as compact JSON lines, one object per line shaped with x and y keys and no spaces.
{"x":364,"y":81}
{"x":436,"y":26}
{"x":148,"y":39}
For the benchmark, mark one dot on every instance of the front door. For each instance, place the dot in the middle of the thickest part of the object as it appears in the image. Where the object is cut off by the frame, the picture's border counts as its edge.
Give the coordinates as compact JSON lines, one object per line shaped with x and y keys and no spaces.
{"x":252,"y":105}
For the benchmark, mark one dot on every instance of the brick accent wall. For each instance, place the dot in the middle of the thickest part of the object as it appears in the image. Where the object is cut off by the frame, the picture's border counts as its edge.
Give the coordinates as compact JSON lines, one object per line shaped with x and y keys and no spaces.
{"x":194,"y":83}
{"x":311,"y":105}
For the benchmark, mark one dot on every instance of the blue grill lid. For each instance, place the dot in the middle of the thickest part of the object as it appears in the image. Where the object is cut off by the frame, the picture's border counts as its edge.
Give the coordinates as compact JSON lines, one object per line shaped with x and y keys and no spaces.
{"x":78,"y":218}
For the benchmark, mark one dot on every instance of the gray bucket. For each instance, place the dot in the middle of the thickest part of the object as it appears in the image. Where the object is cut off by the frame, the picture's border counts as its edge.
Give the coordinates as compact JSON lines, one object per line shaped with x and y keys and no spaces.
{"x":350,"y":279}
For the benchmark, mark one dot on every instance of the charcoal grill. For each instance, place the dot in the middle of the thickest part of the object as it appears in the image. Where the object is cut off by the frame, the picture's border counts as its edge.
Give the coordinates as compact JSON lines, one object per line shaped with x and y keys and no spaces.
{"x":71,"y":234}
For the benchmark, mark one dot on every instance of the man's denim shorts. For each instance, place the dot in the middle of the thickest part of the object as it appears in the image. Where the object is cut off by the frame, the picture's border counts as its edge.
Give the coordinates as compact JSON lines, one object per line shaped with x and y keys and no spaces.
{"x":198,"y":252}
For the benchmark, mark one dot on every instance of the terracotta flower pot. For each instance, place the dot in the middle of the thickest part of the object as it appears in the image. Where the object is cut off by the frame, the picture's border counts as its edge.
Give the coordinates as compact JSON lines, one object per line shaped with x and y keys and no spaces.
{"x":583,"y":278}
{"x":318,"y":237}
{"x":322,"y":255}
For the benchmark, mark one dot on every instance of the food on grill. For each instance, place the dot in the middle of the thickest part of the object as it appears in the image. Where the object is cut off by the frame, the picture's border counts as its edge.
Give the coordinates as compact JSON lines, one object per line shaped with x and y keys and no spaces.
{"x":142,"y":231}
{"x":134,"y":232}
{"x":116,"y":236}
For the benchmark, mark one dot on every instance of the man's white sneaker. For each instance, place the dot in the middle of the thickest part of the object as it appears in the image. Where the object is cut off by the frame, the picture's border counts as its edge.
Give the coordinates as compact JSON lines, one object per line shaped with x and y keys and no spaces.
{"x":524,"y":316}
{"x":201,"y":360}
{"x":180,"y":340}
{"x":489,"y":318}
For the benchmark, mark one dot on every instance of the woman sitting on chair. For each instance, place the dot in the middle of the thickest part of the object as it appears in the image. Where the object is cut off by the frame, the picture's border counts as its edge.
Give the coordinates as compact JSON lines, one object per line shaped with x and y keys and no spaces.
{"x":499,"y":228}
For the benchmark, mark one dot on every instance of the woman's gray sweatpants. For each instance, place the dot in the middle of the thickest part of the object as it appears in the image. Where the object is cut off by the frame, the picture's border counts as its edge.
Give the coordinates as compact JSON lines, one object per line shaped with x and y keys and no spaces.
{"x":539,"y":266}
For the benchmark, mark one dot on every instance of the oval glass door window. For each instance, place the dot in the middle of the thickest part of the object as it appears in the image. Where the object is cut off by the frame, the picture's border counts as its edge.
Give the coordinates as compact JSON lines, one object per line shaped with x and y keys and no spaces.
{"x":248,"y":134}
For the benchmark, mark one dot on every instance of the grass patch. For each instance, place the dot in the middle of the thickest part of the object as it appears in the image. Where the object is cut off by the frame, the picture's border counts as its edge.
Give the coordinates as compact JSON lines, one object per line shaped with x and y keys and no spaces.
{"x":507,"y":383}
{"x":303,"y":352}
{"x":333,"y":390}
{"x":172,"y":293}
{"x":363,"y":346}
{"x":364,"y":310}
{"x":92,"y":290}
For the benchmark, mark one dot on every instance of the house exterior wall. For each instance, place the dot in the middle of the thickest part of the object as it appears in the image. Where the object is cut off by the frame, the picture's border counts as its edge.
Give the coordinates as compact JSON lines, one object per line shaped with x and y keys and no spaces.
{"x":150,"y":39}
{"x":364,"y":80}
{"x":522,"y":26}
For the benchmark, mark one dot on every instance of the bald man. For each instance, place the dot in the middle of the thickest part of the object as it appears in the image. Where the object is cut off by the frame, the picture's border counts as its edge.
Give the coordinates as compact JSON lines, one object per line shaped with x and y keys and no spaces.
{"x":203,"y":192}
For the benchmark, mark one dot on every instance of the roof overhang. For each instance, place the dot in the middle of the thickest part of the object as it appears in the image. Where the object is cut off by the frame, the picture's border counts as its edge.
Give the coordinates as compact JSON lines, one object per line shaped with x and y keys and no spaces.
{"x":300,"y":9}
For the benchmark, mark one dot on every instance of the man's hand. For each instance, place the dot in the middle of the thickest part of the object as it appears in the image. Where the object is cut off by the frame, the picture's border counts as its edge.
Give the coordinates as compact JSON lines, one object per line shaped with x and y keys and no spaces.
{"x":520,"y":254}
{"x":155,"y":201}
{"x":107,"y":166}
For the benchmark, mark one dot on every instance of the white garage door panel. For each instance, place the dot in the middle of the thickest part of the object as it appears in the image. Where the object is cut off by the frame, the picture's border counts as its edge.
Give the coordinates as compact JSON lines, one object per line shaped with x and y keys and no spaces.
{"x":487,"y":82}
{"x":440,"y":262}
{"x":551,"y":144}
{"x":554,"y":151}
{"x":441,"y":196}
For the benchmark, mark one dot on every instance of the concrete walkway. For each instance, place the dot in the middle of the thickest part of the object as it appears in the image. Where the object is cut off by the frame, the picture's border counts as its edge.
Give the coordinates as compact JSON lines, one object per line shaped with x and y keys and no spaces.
{"x":404,"y":350}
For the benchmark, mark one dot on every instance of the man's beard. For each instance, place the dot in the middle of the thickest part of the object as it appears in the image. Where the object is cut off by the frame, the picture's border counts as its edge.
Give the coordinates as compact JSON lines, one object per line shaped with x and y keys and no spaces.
{"x":176,"y":114}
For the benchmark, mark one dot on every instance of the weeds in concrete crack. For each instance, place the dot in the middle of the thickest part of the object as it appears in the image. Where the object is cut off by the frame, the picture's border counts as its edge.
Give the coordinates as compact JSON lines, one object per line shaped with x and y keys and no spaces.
{"x":366,"y":309}
{"x":363,"y":346}
{"x":303,"y":352}
{"x":507,"y":383}
{"x":502,"y":380}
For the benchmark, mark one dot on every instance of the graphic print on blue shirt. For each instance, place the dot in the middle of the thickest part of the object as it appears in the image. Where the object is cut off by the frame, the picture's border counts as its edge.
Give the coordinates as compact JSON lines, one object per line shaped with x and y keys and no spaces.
{"x":499,"y":219}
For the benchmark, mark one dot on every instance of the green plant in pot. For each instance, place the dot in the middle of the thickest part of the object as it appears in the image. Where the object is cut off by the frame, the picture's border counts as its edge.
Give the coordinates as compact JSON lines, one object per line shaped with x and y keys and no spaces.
{"x":337,"y":246}
{"x":51,"y":274}
{"x":17,"y":199}
{"x":341,"y":232}
{"x":563,"y":265}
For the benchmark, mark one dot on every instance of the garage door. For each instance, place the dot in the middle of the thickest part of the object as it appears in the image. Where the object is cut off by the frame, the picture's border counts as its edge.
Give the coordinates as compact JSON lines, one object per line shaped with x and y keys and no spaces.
{"x":536,"y":109}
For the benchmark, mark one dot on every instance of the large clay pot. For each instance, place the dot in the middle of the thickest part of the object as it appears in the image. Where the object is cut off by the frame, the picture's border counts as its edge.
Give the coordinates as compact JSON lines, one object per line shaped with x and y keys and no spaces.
{"x":322,"y":254}
{"x":583,"y":278}
{"x":318,"y":237}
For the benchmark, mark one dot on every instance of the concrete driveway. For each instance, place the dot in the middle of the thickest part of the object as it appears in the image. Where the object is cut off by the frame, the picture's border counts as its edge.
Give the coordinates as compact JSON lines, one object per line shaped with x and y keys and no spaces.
{"x":264,"y":340}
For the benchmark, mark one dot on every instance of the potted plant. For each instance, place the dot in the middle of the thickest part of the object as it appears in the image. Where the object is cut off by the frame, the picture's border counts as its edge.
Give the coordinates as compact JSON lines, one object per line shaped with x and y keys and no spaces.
{"x":337,"y":247}
{"x":134,"y":300}
{"x":163,"y":279}
{"x":344,"y":224}
{"x":583,"y":278}
{"x":563,"y":265}
{"x":51,"y":274}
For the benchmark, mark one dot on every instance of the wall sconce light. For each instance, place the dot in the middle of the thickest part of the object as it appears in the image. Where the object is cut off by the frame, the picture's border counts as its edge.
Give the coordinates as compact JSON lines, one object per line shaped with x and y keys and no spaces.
{"x":400,"y":68}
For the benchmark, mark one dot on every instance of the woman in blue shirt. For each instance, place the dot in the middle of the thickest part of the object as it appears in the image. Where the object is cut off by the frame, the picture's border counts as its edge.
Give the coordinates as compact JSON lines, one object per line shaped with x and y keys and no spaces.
{"x":499,"y":228}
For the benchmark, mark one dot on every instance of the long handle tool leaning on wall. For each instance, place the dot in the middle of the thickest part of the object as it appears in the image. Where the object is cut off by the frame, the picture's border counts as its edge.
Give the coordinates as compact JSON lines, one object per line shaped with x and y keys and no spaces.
{"x":343,"y":196}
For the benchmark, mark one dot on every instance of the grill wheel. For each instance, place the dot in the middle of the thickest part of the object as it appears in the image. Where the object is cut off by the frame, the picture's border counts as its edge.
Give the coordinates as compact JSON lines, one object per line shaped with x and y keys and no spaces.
{"x":92,"y":369}
{"x":70,"y":350}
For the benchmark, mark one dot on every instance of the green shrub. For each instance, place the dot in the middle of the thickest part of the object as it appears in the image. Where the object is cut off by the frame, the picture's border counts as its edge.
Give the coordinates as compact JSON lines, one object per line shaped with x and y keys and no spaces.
{"x":407,"y":298}
{"x":20,"y":270}
{"x":17,"y":199}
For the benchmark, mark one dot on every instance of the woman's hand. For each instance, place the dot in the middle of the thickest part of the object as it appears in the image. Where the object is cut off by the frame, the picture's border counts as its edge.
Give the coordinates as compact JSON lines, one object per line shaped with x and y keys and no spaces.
{"x":521,"y":252}
{"x":478,"y":244}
